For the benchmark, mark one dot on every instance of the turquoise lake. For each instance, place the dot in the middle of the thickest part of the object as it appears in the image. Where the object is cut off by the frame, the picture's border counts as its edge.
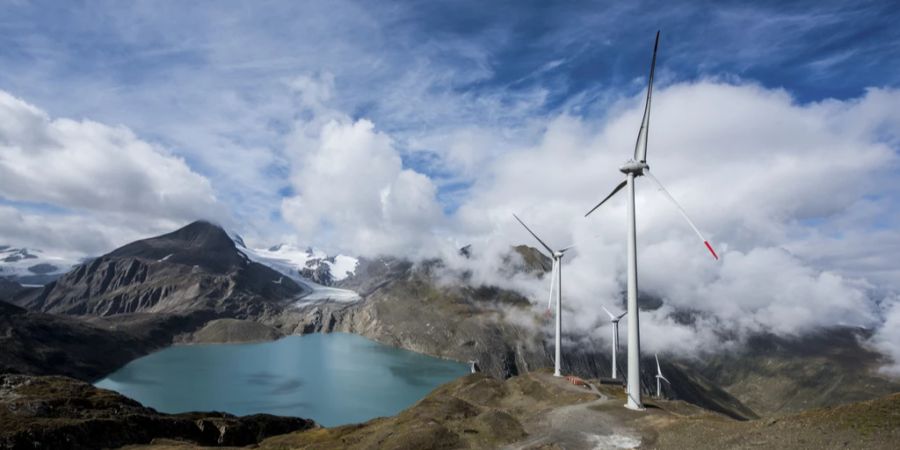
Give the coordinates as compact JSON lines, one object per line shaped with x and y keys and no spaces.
{"x":334,"y":379}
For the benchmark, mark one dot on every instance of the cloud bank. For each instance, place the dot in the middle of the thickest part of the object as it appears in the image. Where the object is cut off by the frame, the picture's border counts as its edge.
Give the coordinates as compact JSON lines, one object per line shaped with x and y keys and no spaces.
{"x":100,"y":181}
{"x":768,"y":179}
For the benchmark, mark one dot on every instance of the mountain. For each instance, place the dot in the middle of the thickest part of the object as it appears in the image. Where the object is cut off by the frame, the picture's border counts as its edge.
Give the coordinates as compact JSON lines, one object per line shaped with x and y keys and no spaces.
{"x":31,"y":266}
{"x":195,"y":268}
{"x":417,"y":307}
{"x":9,"y":289}
{"x":200,"y":284}
{"x":404,"y":305}
{"x":778,"y":375}
{"x":311,"y":264}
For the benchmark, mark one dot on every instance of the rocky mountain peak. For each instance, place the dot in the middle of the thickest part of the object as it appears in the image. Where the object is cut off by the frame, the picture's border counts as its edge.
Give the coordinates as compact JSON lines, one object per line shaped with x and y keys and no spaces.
{"x":200,"y":243}
{"x":195,"y":268}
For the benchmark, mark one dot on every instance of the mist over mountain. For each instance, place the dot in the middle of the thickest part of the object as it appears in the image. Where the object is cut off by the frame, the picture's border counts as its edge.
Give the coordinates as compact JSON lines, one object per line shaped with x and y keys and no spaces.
{"x":32,"y":266}
{"x":201,"y":284}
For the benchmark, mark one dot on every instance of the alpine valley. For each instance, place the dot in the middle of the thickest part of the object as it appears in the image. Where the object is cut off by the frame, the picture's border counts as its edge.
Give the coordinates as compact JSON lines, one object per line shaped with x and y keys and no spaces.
{"x":64,"y":324}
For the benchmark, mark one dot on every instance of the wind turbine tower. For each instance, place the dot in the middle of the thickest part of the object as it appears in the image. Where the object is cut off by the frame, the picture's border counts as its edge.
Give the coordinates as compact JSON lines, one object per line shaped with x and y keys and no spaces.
{"x":614,"y":319}
{"x":555,"y":275}
{"x":659,"y":377}
{"x":632,"y":169}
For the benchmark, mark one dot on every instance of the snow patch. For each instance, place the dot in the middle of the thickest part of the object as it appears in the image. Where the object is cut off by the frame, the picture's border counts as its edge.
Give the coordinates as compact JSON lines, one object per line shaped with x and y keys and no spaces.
{"x":288,"y":260}
{"x":612,"y":441}
{"x":341,"y":266}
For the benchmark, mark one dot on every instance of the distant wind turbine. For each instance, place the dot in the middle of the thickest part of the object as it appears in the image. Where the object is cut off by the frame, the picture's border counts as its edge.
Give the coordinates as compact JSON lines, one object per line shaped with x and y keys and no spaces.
{"x":632,"y":169}
{"x":614,"y":319}
{"x":555,"y":274}
{"x":659,"y":377}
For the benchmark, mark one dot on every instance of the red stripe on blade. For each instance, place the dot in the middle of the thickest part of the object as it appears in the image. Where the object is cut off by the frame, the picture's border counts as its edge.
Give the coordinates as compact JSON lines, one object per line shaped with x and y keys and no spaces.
{"x":711,"y":250}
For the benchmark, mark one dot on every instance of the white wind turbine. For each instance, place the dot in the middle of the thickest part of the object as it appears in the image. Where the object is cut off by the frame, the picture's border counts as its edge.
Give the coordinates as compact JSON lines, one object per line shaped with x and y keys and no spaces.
{"x":659,"y":377}
{"x":614,"y":319}
{"x":632,"y":169}
{"x":555,"y":275}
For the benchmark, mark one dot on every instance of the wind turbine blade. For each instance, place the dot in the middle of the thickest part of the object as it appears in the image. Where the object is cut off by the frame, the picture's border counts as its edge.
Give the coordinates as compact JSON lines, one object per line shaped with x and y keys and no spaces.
{"x":565,"y":249}
{"x":640,"y":147}
{"x":535,"y":236}
{"x":665,"y":379}
{"x":617,"y":189}
{"x":622,"y":315}
{"x":552,"y":283}
{"x":683,"y":213}
{"x":611,"y":315}
{"x":658,"y":370}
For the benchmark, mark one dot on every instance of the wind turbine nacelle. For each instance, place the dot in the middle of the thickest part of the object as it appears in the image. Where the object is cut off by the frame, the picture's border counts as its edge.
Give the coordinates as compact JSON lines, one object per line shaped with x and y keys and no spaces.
{"x":635,"y":167}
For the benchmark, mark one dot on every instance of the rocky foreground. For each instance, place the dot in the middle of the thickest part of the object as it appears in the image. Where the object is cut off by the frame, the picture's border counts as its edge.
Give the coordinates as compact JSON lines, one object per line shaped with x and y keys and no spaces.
{"x":53,"y":412}
{"x":538,"y":411}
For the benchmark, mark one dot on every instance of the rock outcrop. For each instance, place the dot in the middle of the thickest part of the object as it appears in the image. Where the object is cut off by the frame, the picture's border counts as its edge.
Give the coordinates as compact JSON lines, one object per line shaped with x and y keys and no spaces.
{"x":233,"y":330}
{"x":36,"y":343}
{"x":61,"y":413}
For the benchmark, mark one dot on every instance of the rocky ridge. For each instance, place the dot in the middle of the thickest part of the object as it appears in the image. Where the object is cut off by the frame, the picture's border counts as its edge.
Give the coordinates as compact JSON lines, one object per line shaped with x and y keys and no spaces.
{"x":57,"y":412}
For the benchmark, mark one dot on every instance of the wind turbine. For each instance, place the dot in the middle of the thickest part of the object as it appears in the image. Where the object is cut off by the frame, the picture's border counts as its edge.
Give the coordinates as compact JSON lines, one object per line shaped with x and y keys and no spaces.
{"x":632,"y":169}
{"x":615,"y":343}
{"x":659,"y":376}
{"x":555,"y":275}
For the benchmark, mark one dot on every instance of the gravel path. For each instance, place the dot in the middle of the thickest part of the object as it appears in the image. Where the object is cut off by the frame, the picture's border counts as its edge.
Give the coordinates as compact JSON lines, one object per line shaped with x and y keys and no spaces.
{"x":579,"y":426}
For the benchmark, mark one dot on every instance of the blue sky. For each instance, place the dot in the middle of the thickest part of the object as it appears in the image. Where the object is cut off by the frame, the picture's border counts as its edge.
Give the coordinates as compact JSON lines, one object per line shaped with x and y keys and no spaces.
{"x":207,"y":80}
{"x":417,"y":127}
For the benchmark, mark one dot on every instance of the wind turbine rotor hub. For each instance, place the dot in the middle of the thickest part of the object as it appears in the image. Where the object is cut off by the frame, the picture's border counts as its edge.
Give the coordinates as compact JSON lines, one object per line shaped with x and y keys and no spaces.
{"x":635,"y":167}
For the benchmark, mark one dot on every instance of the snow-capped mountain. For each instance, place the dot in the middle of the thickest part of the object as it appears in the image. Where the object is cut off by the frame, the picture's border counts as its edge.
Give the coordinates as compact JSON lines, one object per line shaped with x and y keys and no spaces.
{"x":308,"y":266}
{"x":313,"y":264}
{"x":31,"y":266}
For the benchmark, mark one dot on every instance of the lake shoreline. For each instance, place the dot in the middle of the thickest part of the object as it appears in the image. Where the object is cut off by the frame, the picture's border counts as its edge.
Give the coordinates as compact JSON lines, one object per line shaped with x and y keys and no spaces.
{"x":334,"y":378}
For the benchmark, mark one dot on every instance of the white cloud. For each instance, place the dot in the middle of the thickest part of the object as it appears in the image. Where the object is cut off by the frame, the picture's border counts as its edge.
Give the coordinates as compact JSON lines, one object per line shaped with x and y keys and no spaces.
{"x":767,"y":179}
{"x":92,"y":166}
{"x":764,"y":177}
{"x":352,"y":191}
{"x":102,"y":177}
{"x":887,"y":338}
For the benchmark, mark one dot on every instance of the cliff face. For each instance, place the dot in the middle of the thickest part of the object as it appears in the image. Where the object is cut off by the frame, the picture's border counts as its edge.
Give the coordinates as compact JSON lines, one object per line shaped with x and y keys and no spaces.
{"x":407,"y":306}
{"x":194,"y":268}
